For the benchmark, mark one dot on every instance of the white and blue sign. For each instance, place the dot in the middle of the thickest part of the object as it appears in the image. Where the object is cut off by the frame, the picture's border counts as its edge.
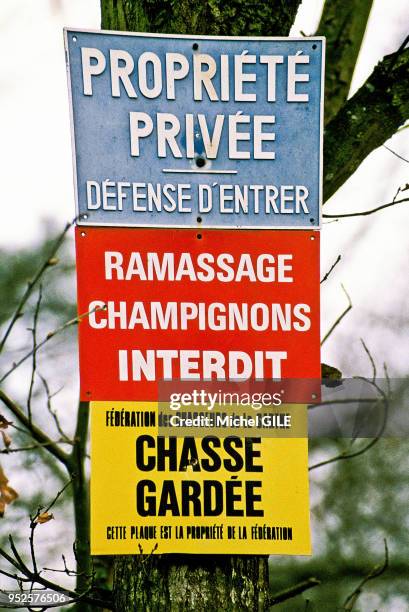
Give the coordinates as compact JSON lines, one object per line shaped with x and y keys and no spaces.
{"x":190,"y":131}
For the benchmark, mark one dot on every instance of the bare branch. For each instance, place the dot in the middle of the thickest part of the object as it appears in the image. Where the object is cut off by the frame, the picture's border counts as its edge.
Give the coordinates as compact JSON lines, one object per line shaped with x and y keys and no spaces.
{"x":324,"y":278}
{"x":21,"y":449}
{"x":14,"y":577}
{"x":365,"y":213}
{"x":66,"y":569}
{"x":49,"y":261}
{"x":56,"y":498}
{"x":34,"y":522}
{"x":343,"y":24}
{"x":341,"y":316}
{"x":364,"y":400}
{"x":375,"y":572}
{"x":35,"y":577}
{"x":48,"y":337}
{"x":34,"y":366}
{"x":293,"y":591}
{"x":37,"y":434}
{"x":81,"y":496}
{"x":396,"y":154}
{"x":371,"y":359}
{"x":345,"y":455}
{"x":348,"y":455}
{"x":23,"y":567}
{"x":354,"y":131}
{"x":53,"y":413}
{"x":388,"y":380}
{"x":10,"y":559}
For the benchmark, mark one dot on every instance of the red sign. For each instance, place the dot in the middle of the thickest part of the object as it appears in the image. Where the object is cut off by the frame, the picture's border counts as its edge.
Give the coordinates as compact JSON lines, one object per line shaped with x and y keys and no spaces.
{"x":178,"y":304}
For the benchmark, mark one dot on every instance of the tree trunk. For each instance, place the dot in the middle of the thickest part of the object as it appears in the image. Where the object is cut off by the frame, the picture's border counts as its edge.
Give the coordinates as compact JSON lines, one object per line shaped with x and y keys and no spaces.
{"x":191,"y":582}
{"x":81,"y":505}
{"x":343,"y":24}
{"x":195,"y":582}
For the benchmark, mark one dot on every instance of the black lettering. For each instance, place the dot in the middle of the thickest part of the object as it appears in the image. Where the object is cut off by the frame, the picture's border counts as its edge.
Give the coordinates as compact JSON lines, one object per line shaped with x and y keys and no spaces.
{"x":190,"y":494}
{"x":141,"y":464}
{"x":217,"y":488}
{"x":168,"y":500}
{"x":251,"y":454}
{"x":145,"y":504}
{"x":252,"y":498}
{"x":214,"y":463}
{"x":231,"y":498}
{"x":237,"y":464}
{"x":169,"y":453}
{"x":189,"y":456}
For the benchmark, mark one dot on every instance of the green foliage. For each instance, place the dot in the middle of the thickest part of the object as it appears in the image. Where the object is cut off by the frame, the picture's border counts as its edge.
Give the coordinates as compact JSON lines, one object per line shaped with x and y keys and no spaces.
{"x":358,"y":504}
{"x":19,"y":267}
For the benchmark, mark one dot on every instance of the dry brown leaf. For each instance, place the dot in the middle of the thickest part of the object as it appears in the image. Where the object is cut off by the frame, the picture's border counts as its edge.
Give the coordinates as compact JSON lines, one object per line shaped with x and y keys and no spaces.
{"x":44,"y":517}
{"x":7,"y":494}
{"x":3,"y":478}
{"x":6,"y":438}
{"x":4,"y":423}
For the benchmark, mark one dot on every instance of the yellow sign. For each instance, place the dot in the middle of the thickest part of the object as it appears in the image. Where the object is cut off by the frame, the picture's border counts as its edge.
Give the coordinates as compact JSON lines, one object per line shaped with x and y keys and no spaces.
{"x":208,"y":495}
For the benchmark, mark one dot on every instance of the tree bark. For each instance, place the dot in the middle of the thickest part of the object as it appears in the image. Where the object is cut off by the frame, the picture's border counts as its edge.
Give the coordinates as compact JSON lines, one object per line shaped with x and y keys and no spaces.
{"x":343,"y":24}
{"x":366,"y":120}
{"x":191,"y":582}
{"x":210,"y":17}
{"x":81,"y":505}
{"x":195,"y":582}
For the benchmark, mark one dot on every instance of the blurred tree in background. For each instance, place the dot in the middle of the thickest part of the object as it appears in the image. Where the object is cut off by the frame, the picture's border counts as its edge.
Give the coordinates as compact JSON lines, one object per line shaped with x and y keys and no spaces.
{"x":356,"y":504}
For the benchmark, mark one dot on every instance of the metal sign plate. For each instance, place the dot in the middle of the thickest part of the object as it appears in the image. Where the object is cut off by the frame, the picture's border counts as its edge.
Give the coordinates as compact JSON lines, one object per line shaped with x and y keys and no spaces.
{"x":256,"y":506}
{"x":175,"y":304}
{"x":183,"y":131}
